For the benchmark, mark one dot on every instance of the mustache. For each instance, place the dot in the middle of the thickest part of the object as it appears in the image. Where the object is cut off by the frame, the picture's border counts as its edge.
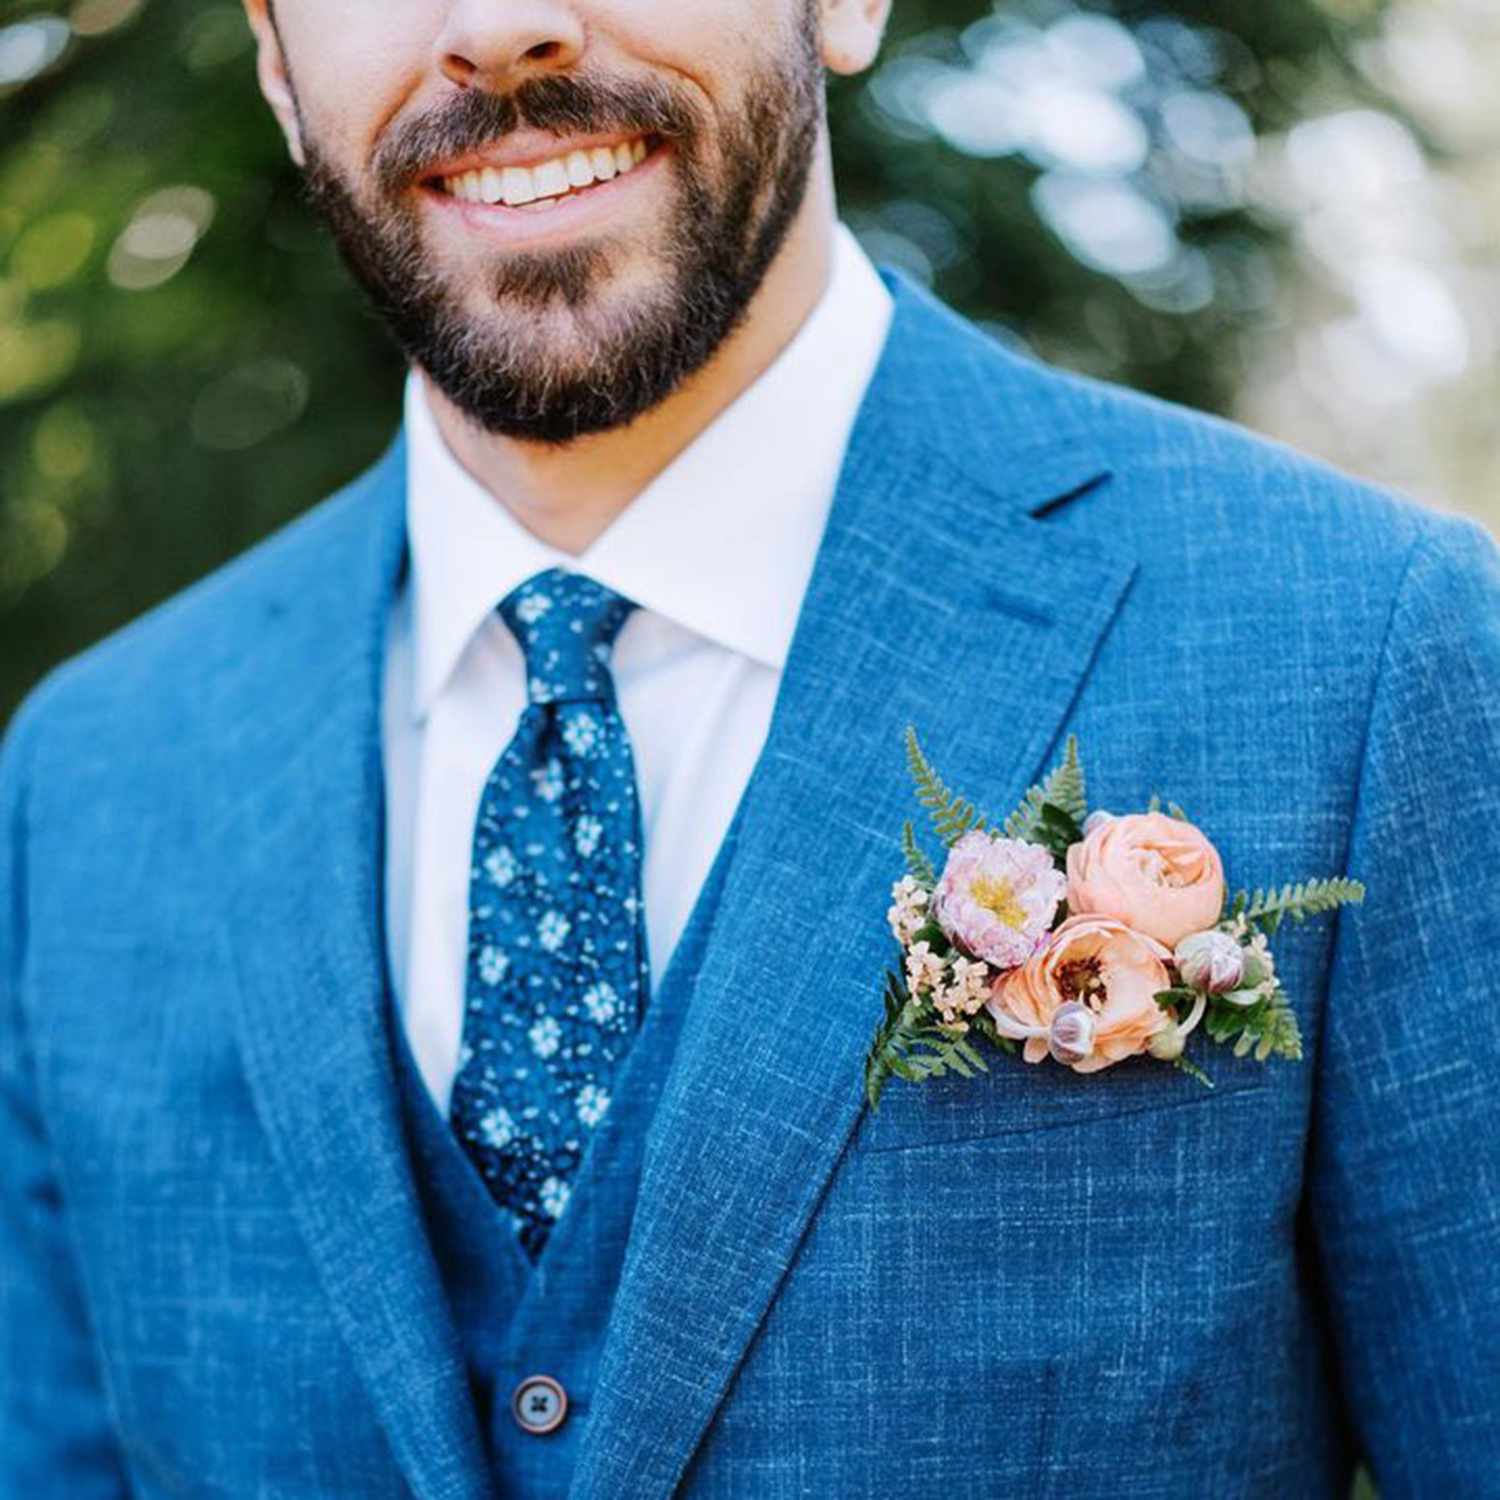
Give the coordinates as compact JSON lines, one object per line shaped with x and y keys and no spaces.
{"x":560,"y":103}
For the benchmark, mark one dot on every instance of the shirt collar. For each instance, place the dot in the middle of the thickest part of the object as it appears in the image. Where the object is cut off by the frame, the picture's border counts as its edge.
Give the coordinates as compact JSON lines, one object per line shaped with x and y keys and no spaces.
{"x":722,"y":541}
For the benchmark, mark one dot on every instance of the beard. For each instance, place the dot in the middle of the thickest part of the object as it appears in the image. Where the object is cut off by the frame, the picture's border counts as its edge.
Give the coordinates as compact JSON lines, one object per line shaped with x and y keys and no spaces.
{"x":738,"y":191}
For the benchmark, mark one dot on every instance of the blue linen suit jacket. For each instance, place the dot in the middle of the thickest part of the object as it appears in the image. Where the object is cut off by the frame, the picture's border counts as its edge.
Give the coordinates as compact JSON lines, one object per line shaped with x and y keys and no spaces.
{"x":213,"y":1279}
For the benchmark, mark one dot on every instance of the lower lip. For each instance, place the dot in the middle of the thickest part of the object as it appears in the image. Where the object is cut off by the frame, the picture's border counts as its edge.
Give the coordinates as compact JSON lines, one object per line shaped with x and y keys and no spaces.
{"x":578,"y":211}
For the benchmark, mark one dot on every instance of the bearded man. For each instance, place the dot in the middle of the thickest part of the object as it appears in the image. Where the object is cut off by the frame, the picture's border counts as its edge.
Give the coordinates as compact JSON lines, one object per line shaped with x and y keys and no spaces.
{"x":438,"y":951}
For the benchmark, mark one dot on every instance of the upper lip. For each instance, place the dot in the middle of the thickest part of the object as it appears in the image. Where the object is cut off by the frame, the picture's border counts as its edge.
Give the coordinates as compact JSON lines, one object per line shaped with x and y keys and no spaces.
{"x":527,"y":148}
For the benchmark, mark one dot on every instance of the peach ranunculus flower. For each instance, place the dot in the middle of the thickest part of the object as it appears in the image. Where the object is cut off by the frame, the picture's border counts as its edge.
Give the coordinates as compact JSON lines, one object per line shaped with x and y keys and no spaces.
{"x":1155,"y":873}
{"x":1090,"y":964}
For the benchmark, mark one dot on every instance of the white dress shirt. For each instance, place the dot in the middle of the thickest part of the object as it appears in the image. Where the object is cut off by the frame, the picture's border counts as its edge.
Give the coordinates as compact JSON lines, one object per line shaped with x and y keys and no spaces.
{"x":717,"y":551}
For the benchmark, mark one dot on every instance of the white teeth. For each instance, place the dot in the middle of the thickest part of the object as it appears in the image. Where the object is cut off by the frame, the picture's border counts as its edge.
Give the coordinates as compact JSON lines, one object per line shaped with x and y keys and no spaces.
{"x":517,"y":185}
{"x":580,"y":168}
{"x":549,"y":180}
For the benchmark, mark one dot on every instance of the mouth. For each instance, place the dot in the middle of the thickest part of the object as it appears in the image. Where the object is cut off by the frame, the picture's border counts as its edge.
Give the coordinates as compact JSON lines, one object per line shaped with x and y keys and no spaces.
{"x":543,"y":185}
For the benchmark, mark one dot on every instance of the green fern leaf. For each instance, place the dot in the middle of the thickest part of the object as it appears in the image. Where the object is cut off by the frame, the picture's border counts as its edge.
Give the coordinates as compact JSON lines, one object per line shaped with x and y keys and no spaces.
{"x":916,"y":861}
{"x":1062,"y":790}
{"x":984,"y":1024}
{"x":1270,"y":1026}
{"x":909,"y":1044}
{"x":1304,"y":899}
{"x":1026,"y":821}
{"x":1064,"y":785}
{"x":966,"y":1049}
{"x":1193,"y":1071}
{"x":952,"y":816}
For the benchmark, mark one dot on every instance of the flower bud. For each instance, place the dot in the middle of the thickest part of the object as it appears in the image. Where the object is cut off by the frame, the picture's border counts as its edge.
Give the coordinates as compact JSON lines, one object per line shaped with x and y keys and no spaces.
{"x":1071,"y":1038}
{"x":1168,"y":1043}
{"x":1211,"y":960}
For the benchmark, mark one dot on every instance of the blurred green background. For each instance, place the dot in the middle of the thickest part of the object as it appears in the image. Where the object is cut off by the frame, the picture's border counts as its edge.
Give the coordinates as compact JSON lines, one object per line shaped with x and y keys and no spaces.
{"x":1285,"y":210}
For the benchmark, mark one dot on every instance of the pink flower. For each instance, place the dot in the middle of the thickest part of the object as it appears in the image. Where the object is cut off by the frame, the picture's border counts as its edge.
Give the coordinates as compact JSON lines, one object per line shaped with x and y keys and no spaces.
{"x":1097,"y":963}
{"x":997,"y":897}
{"x":1157,"y":874}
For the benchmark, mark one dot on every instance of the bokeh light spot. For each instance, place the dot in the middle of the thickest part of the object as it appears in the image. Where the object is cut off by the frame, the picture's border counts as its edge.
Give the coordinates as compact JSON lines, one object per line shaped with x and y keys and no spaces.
{"x":30,"y":47}
{"x":1412,"y":311}
{"x":156,"y":243}
{"x":1355,"y":153}
{"x":218,"y":34}
{"x":64,"y":444}
{"x":1106,"y":223}
{"x":98,"y":17}
{"x":33,"y":539}
{"x":1085,"y":130}
{"x":34,"y":356}
{"x":1095,"y":50}
{"x":250,"y":404}
{"x":1209,"y":127}
{"x":53,"y":251}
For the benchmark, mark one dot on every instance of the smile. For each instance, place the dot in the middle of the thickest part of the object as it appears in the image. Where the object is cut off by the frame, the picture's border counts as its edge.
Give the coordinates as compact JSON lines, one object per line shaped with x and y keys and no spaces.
{"x":547,"y":182}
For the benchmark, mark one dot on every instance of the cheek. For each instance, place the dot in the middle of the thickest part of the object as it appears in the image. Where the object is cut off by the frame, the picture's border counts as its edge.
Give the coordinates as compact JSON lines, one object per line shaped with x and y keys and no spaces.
{"x":705,"y":47}
{"x":657,"y":30}
{"x":348,"y":88}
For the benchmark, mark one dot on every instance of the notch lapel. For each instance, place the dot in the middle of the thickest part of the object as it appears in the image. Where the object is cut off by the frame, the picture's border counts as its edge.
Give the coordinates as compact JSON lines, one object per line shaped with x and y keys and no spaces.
{"x":302,"y":935}
{"x":937,"y":599}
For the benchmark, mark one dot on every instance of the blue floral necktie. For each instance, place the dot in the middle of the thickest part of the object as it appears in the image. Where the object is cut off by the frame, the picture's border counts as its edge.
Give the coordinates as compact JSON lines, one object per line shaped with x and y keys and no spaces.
{"x":557,"y":966}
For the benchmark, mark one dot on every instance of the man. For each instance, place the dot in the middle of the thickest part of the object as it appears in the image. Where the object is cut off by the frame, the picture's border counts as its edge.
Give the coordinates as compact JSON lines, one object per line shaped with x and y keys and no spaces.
{"x":438,"y":950}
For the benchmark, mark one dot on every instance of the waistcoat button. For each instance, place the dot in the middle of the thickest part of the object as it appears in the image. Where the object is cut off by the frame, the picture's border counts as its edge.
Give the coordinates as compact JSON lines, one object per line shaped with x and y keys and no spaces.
{"x":539,"y":1404}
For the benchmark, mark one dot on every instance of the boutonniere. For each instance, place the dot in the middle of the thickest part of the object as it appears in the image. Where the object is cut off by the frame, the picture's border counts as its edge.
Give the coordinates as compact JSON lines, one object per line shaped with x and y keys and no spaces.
{"x":1076,"y":936}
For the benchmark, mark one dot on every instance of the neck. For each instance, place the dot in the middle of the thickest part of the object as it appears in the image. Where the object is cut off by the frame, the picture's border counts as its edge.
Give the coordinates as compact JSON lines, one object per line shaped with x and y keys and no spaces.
{"x":567,"y":495}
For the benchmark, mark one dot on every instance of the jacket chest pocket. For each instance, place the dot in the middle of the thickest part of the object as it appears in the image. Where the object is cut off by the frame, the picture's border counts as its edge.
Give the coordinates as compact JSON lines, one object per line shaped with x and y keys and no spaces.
{"x":1015,"y":1097}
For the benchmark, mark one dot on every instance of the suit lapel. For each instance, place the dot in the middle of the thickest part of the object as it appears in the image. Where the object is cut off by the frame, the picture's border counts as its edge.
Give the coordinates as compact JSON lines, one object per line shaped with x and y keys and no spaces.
{"x":304,"y":784}
{"x":937,"y":599}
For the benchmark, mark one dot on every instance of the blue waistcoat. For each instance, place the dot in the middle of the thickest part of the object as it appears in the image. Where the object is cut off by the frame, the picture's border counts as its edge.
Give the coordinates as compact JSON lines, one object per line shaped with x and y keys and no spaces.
{"x":515,"y":1320}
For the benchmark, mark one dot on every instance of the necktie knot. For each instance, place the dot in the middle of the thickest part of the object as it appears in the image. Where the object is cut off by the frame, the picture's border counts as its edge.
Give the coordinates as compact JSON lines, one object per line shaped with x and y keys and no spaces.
{"x":566,"y":624}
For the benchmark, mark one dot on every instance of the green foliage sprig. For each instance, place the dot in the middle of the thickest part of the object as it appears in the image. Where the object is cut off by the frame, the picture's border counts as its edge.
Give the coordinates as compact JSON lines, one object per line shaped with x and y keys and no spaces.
{"x":952,"y":816}
{"x":1052,"y":813}
{"x":1269,"y":1026}
{"x":1173,"y":809}
{"x":910,"y":1044}
{"x":1306,"y":898}
{"x":916,"y":861}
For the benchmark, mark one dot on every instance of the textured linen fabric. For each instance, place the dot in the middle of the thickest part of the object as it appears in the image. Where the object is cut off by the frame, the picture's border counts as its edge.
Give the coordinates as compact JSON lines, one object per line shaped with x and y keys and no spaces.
{"x":716,"y":550}
{"x":557,"y":945}
{"x":216,"y":1277}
